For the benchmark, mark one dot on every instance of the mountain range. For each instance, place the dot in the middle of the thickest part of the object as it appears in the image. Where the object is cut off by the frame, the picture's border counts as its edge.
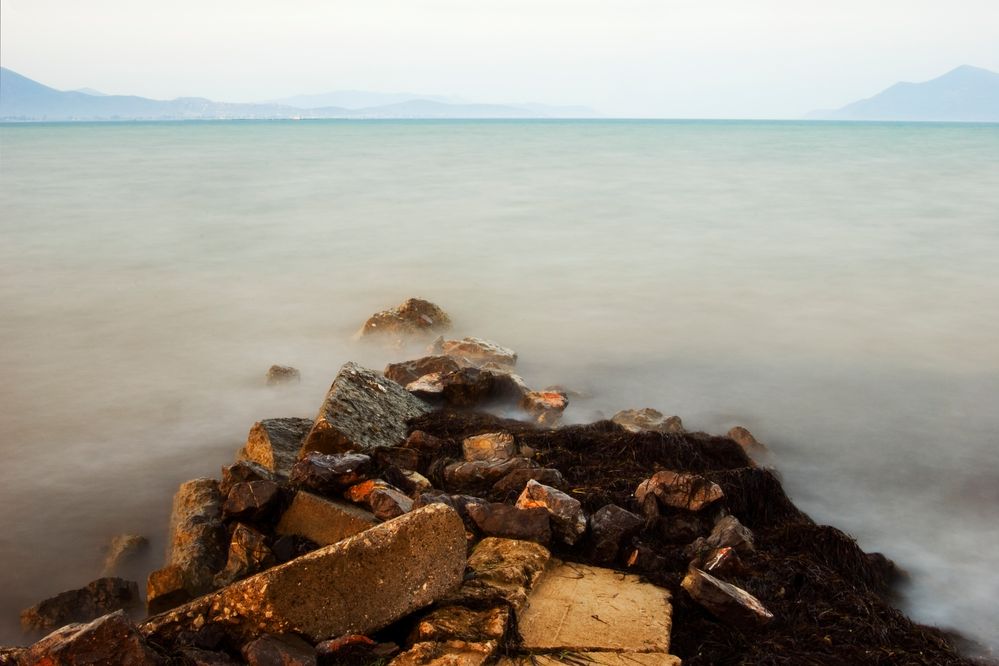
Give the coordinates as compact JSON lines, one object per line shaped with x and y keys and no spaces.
{"x":26,"y":100}
{"x":964,"y":94}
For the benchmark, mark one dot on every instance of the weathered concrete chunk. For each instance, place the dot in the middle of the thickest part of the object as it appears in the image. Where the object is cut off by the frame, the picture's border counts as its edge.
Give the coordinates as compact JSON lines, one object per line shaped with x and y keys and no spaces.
{"x":489,"y":446}
{"x":362,"y":411}
{"x":330,"y":473}
{"x":479,"y":352}
{"x":123,"y":553}
{"x":610,"y":527}
{"x":322,"y":520}
{"x":567,"y":516}
{"x":251,"y":500}
{"x":248,"y":554}
{"x":515,"y":480}
{"x":358,"y":585}
{"x":446,"y":653}
{"x":461,"y":623}
{"x":282,"y":374}
{"x":274,"y":443}
{"x":412,"y":317}
{"x":407,"y":372}
{"x":647,"y":420}
{"x":545,"y":407}
{"x":197,"y":549}
{"x":287,"y":650}
{"x":728,"y":531}
{"x":100,"y":597}
{"x":111,"y":639}
{"x":679,"y":490}
{"x":727,"y":602}
{"x":583,"y":608}
{"x":503,"y":520}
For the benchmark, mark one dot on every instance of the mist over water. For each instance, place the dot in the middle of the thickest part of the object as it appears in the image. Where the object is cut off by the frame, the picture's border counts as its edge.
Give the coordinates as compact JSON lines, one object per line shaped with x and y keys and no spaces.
{"x":832,"y":287}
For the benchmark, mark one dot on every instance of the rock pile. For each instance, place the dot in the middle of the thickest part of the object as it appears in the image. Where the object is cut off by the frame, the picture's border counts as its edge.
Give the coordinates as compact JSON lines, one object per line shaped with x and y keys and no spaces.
{"x":406,"y":525}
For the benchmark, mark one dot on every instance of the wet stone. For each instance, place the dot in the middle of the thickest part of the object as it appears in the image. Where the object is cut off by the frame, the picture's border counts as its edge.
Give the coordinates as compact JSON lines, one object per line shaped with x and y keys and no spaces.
{"x":682,"y":491}
{"x":446,"y":653}
{"x":480,"y":475}
{"x":648,"y":420}
{"x":721,"y":562}
{"x":111,"y":639}
{"x":610,"y":528}
{"x":100,"y":597}
{"x":414,"y":316}
{"x":252,"y":500}
{"x":282,"y":374}
{"x":354,"y":650}
{"x":479,"y":351}
{"x":461,"y":623}
{"x":274,"y":443}
{"x":567,"y":517}
{"x":330,"y":473}
{"x":489,"y":446}
{"x":248,"y":554}
{"x":503,"y":520}
{"x":407,"y":372}
{"x":242,"y":471}
{"x":545,"y":406}
{"x":396,"y":456}
{"x":727,"y":532}
{"x":286,"y":650}
{"x":425,"y":442}
{"x":515,"y":480}
{"x":464,"y":387}
{"x":727,"y":602}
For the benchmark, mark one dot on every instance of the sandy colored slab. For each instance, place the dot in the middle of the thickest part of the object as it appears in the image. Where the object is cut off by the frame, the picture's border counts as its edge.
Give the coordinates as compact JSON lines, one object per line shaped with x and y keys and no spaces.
{"x":595,"y":659}
{"x":583,"y":608}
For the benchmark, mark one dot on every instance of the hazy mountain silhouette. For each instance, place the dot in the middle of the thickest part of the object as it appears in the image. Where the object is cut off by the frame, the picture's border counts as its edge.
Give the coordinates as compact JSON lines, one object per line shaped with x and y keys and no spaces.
{"x":964,"y":94}
{"x":357,"y":99}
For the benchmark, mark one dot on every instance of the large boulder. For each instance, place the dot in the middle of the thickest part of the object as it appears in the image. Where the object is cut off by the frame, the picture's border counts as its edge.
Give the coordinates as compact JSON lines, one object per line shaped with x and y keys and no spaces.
{"x":323,"y":521}
{"x":647,"y":420}
{"x":274,"y":443}
{"x":566,"y":513}
{"x":679,"y":490}
{"x":100,"y":597}
{"x":414,"y":316}
{"x":197,"y":549}
{"x":356,"y":586}
{"x":362,"y":411}
{"x":111,"y":639}
{"x":727,"y":602}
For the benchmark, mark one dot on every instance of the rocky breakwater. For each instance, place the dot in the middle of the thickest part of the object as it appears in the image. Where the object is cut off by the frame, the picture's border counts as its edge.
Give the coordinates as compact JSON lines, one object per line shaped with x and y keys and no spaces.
{"x":406,"y":524}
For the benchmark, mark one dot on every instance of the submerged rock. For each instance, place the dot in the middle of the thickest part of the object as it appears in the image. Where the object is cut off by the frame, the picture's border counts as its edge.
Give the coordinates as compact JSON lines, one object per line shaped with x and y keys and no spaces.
{"x":282,"y":374}
{"x":566,"y":513}
{"x":610,"y":527}
{"x":274,"y":443}
{"x":727,"y":602}
{"x":123,"y":551}
{"x":362,"y":411}
{"x":647,"y":420}
{"x":111,"y":639}
{"x":100,"y":597}
{"x":679,"y":490}
{"x":412,"y":317}
{"x":478,"y":352}
{"x":323,"y":521}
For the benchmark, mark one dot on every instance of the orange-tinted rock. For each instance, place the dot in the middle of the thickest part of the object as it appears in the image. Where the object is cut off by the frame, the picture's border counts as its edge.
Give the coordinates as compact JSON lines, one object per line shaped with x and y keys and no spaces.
{"x":322,"y":520}
{"x":111,"y":639}
{"x":545,"y":406}
{"x":248,"y":554}
{"x":100,"y":597}
{"x":330,"y":473}
{"x":647,"y":420}
{"x":479,"y":352}
{"x":503,"y":520}
{"x":274,"y":443}
{"x":679,"y":490}
{"x":567,"y":517}
{"x":727,"y":602}
{"x":407,"y":372}
{"x":414,"y":316}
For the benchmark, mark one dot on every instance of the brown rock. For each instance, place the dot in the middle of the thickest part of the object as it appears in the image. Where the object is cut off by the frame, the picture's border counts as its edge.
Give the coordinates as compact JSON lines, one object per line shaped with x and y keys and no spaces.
{"x":506,"y":569}
{"x":745,"y":439}
{"x":721,"y":562}
{"x":282,"y":374}
{"x":594,"y":659}
{"x":727,"y":532}
{"x":243,"y":471}
{"x":409,"y":371}
{"x":727,"y":602}
{"x":480,"y":475}
{"x":610,"y":527}
{"x":362,"y":411}
{"x":515,"y":480}
{"x":192,"y":656}
{"x":545,"y":406}
{"x":251,"y":500}
{"x":461,"y":623}
{"x":111,"y":639}
{"x":398,"y":456}
{"x":566,"y":513}
{"x":679,"y":490}
{"x":354,"y":650}
{"x":464,"y":387}
{"x":248,"y":554}
{"x":447,"y":653}
{"x":425,"y":442}
{"x":503,"y":520}
{"x":287,"y":650}
{"x":274,"y":443}
{"x":100,"y":597}
{"x":479,"y":352}
{"x":358,"y":585}
{"x":459,"y":503}
{"x":413,"y":317}
{"x":489,"y":446}
{"x":123,"y":552}
{"x":384,"y":501}
{"x":323,"y":521}
{"x":330,"y":473}
{"x":647,"y":420}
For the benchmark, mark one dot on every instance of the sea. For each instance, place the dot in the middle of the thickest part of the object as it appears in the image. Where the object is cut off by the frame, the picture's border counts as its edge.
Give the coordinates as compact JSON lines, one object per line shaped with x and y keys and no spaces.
{"x":833,"y":287}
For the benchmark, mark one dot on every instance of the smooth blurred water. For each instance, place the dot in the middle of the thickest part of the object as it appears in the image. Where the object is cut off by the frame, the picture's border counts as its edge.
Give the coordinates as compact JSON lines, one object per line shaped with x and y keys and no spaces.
{"x":833,"y":287}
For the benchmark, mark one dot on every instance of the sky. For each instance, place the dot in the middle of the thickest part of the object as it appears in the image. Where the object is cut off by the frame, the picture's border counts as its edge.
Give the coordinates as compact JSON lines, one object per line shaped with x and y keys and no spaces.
{"x":640,"y":58}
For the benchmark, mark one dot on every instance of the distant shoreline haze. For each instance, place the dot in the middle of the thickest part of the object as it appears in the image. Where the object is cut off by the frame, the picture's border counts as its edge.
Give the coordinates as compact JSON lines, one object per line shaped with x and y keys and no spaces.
{"x":965,"y":94}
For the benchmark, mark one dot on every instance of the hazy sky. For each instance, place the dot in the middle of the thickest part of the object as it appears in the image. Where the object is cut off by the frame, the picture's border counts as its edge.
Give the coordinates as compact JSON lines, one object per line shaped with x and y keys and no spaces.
{"x":674,"y":58}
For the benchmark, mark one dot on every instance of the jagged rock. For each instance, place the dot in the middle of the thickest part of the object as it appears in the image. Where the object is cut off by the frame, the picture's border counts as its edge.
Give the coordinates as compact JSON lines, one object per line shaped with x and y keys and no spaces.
{"x":274,"y":443}
{"x":111,"y":639}
{"x":285,"y":650}
{"x":478,"y":352}
{"x":243,"y":471}
{"x":720,"y":562}
{"x":566,"y":513}
{"x":330,"y":473}
{"x":506,"y":569}
{"x":545,"y":406}
{"x":727,"y":602}
{"x":192,"y":656}
{"x":461,"y":623}
{"x":282,"y":374}
{"x":100,"y":597}
{"x":489,"y":446}
{"x":13,"y":656}
{"x":447,"y":653}
{"x":397,"y":456}
{"x":745,"y":439}
{"x":358,"y":585}
{"x":610,"y":527}
{"x":647,"y":420}
{"x":248,"y":554}
{"x":197,"y":548}
{"x":354,"y":650}
{"x":466,"y":387}
{"x":503,"y":520}
{"x":679,"y":490}
{"x":414,"y":316}
{"x":728,"y":531}
{"x":323,"y":521}
{"x":362,"y":411}
{"x":515,"y":480}
{"x":385,"y":501}
{"x":407,"y":372}
{"x":459,"y":503}
{"x":480,"y":475}
{"x":124,"y":550}
{"x":425,"y":442}
{"x":251,"y":500}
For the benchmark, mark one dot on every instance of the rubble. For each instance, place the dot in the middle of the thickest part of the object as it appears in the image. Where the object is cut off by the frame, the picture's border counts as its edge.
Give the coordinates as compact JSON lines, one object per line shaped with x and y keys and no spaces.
{"x":274,"y":443}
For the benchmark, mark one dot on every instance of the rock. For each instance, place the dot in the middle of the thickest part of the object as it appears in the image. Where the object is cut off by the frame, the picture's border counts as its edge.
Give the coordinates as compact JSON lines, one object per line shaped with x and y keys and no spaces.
{"x":478,"y":352}
{"x":580,"y":608}
{"x":251,"y":500}
{"x":417,"y":482}
{"x":465,"y":387}
{"x":421,"y":441}
{"x":354,"y":650}
{"x":461,"y":623}
{"x":610,"y":527}
{"x":100,"y":597}
{"x":727,"y":532}
{"x":362,"y":411}
{"x":13,"y":656}
{"x":647,"y":420}
{"x":192,"y":656}
{"x":447,"y":653}
{"x":358,"y":585}
{"x":566,"y":513}
{"x":197,"y":548}
{"x":515,"y":480}
{"x":287,"y":650}
{"x":409,"y":371}
{"x":330,"y":473}
{"x":248,"y":554}
{"x":679,"y":490}
{"x":506,"y":569}
{"x":396,"y":456}
{"x":111,"y":639}
{"x":503,"y":520}
{"x":480,"y":475}
{"x":745,"y":439}
{"x":282,"y":374}
{"x":545,"y":406}
{"x":727,"y":602}
{"x":490,"y":446}
{"x":243,"y":471}
{"x":323,"y":521}
{"x":123,"y":552}
{"x":385,"y":501}
{"x":413,"y":317}
{"x":274,"y":443}
{"x":459,"y":503}
{"x":720,"y":562}
{"x":289,"y":546}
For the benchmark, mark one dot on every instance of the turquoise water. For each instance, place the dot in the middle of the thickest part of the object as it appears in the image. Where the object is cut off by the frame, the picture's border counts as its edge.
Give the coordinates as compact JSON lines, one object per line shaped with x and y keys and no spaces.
{"x":833,"y":287}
